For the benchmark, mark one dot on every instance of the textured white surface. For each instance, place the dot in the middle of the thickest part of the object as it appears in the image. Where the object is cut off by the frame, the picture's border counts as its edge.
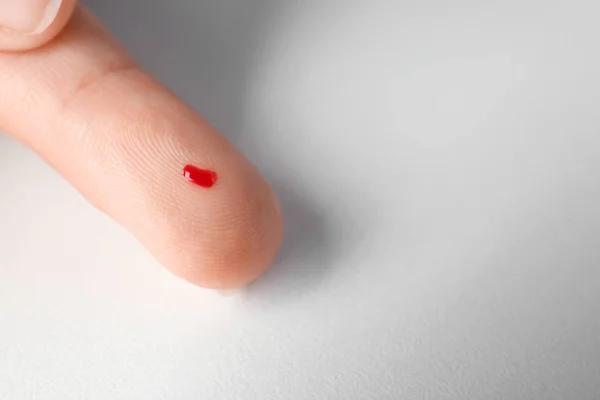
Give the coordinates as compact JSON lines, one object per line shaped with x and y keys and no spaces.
{"x":439,"y":166}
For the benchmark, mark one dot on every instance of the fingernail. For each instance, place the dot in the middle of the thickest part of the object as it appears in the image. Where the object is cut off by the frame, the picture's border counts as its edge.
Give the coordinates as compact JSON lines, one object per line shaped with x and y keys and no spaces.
{"x":28,"y":16}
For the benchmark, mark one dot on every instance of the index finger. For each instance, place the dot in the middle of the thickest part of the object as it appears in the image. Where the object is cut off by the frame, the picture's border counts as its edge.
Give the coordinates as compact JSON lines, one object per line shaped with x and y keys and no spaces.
{"x":124,"y":141}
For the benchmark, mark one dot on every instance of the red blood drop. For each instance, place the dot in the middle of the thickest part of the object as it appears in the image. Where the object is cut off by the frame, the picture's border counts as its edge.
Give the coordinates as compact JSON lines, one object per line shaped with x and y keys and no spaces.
{"x":201,"y":177}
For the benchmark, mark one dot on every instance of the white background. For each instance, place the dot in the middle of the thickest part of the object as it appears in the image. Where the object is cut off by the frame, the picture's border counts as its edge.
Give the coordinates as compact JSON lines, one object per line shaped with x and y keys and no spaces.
{"x":439,"y":168}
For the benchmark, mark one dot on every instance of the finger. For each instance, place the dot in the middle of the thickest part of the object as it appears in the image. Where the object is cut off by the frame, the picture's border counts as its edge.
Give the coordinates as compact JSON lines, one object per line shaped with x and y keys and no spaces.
{"x":123,"y":140}
{"x":27,"y":24}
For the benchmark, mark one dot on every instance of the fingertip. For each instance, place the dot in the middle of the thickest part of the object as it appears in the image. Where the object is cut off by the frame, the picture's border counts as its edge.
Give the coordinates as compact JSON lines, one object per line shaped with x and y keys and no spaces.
{"x":236,"y":245}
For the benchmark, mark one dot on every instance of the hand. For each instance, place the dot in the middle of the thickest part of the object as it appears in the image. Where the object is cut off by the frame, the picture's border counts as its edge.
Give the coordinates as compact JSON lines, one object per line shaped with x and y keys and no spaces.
{"x":71,"y":94}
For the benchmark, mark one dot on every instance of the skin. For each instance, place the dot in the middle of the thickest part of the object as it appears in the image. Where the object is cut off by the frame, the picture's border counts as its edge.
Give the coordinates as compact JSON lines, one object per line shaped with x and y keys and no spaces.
{"x":71,"y":94}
